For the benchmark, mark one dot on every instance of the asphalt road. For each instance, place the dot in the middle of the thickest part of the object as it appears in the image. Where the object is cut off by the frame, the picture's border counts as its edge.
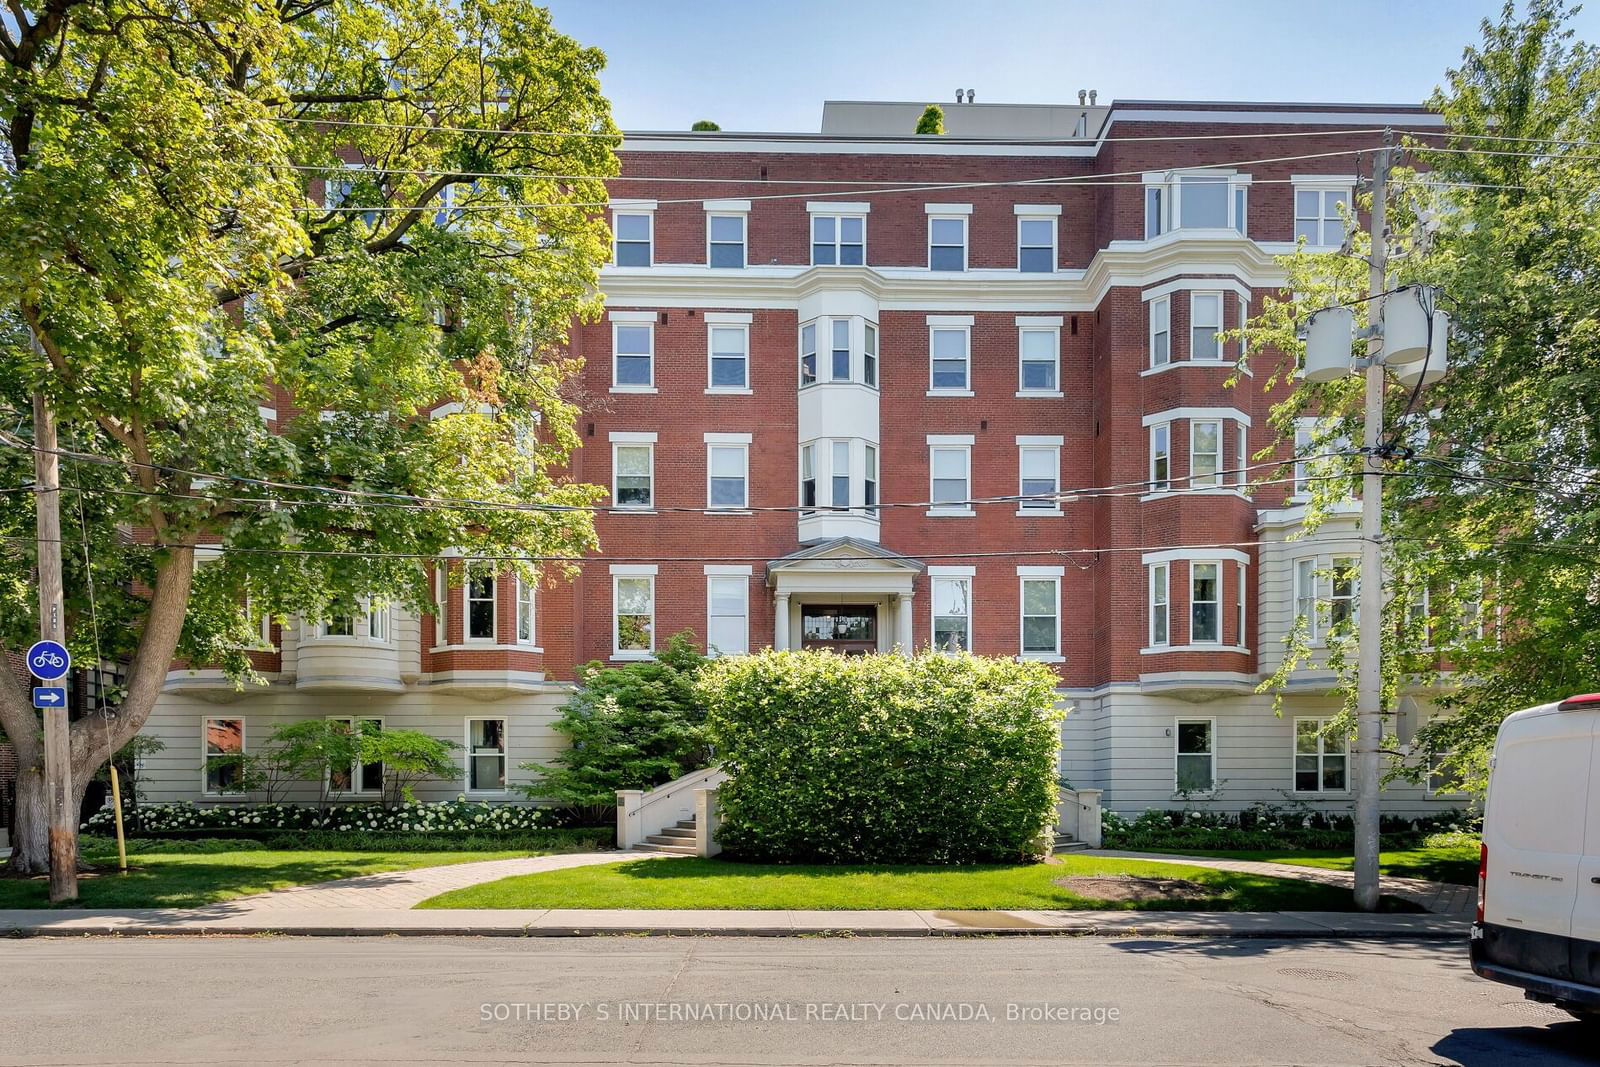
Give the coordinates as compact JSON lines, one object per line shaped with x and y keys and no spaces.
{"x":785,"y":1000}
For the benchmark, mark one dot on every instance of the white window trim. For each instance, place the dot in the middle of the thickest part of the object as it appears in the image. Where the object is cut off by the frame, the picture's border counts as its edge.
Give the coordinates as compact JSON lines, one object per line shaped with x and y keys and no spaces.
{"x":467,"y":754}
{"x":206,"y":756}
{"x":1313,"y":620}
{"x":1159,"y":486}
{"x":1218,"y":603}
{"x":1194,"y":425}
{"x":1171,"y":185}
{"x":1194,"y":297}
{"x":632,"y":570}
{"x":1322,"y":754}
{"x":441,"y":610}
{"x":467,"y":601}
{"x":1163,"y":304}
{"x":723,"y":570}
{"x":1164,"y":571}
{"x":360,"y":627}
{"x":1039,"y":324}
{"x":951,"y":441}
{"x":838,"y":211}
{"x":1036,"y":574}
{"x":647,"y":208}
{"x":1320,"y":184}
{"x":530,"y":594}
{"x":1039,"y":443}
{"x":1211,"y":733}
{"x":715,"y":322}
{"x":1241,"y":576}
{"x":650,"y":325}
{"x":966,"y":235}
{"x":729,"y":209}
{"x":355,"y":789}
{"x":635,"y":440}
{"x":1055,"y":238}
{"x":740,"y":441}
{"x":967,"y":574}
{"x":962,"y":323}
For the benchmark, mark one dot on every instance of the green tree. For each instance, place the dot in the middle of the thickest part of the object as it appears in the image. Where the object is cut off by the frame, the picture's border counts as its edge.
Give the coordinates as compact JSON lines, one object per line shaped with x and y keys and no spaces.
{"x":408,"y":757}
{"x":631,"y":727}
{"x":1490,"y":514}
{"x":931,"y":120}
{"x":705,"y":126}
{"x":179,"y":228}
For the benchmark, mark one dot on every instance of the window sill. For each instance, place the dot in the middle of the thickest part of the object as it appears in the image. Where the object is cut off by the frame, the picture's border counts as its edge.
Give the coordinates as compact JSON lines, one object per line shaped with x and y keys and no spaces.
{"x":1335,"y":794}
{"x":349,"y":642}
{"x":1041,"y":657}
{"x":728,"y":391}
{"x":484,"y":646}
{"x":620,"y":509}
{"x":625,"y":656}
{"x":634,"y":389}
{"x":1047,"y":393}
{"x":1174,"y":364}
{"x":1156,"y":650}
{"x":951,"y":513}
{"x":1039,"y":513}
{"x":951,"y":392}
{"x":728,"y":511}
{"x":1210,"y":490}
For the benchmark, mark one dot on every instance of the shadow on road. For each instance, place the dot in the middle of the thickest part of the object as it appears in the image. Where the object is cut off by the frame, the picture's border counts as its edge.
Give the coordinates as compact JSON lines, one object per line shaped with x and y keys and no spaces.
{"x":1559,"y":1043}
{"x":1256,"y":947}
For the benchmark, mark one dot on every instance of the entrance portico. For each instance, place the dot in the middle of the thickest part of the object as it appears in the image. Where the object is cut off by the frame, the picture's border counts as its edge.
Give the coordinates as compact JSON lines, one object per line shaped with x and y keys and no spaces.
{"x":844,"y":593}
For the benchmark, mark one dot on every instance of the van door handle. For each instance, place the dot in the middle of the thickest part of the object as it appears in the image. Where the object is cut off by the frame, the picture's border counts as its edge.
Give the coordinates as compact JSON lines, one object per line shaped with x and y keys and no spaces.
{"x":1595,"y":879}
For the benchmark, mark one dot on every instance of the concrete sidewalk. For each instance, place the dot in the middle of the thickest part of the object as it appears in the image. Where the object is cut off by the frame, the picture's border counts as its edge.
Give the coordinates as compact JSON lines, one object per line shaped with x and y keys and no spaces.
{"x":232,"y":918}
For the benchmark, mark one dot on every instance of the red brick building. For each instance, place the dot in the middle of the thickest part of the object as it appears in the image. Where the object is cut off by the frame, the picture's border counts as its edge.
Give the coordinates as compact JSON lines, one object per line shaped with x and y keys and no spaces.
{"x":867,"y":389}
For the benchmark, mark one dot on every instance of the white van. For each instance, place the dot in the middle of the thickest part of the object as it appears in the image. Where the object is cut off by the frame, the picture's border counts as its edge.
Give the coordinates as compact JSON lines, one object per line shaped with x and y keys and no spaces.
{"x":1538,"y":923}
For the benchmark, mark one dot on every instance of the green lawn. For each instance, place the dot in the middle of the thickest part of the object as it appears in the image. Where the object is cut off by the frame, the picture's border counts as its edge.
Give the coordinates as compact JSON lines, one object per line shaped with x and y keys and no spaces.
{"x":1456,"y":864}
{"x":186,"y":874}
{"x":725,"y":886}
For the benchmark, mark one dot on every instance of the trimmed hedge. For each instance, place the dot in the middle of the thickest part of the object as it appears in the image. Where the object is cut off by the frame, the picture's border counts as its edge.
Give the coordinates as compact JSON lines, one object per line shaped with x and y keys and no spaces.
{"x":459,"y":816}
{"x":575,"y":839}
{"x":1265,"y":827}
{"x":883,"y":758}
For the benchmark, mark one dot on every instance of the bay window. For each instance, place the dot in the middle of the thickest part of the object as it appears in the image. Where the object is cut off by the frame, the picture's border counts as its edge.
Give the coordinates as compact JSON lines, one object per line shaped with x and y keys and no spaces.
{"x":1205,"y":596}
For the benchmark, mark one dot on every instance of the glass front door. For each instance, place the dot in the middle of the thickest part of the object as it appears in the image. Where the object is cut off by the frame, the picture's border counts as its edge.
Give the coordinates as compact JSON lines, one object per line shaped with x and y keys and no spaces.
{"x":849,"y":629}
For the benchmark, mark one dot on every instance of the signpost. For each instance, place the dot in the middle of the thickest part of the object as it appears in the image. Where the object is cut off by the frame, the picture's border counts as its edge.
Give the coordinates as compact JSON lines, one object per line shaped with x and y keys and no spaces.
{"x":49,"y":696}
{"x":48,"y":660}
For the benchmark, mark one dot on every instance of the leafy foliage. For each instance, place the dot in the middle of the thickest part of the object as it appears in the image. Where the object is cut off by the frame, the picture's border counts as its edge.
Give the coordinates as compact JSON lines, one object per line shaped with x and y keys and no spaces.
{"x":451,"y":816}
{"x":705,"y":126}
{"x":1268,"y":828}
{"x":883,"y":758}
{"x":931,"y":120}
{"x":1491,"y":525}
{"x":634,"y":726}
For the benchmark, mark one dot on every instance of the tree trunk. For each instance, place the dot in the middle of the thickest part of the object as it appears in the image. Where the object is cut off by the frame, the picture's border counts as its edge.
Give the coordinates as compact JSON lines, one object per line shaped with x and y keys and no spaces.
{"x":30,"y":837}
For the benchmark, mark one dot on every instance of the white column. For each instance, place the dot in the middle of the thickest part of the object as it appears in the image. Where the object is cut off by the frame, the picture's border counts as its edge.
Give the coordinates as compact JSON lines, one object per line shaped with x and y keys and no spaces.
{"x":903,"y":638}
{"x":780,"y":622}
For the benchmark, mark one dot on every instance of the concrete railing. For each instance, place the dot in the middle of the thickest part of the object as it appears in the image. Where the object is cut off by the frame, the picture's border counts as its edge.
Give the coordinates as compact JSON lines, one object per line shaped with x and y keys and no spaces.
{"x":1078,"y":815}
{"x":641,"y":814}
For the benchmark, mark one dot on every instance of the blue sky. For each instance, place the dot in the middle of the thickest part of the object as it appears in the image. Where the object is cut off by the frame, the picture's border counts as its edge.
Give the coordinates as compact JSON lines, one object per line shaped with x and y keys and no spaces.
{"x":769,"y":64}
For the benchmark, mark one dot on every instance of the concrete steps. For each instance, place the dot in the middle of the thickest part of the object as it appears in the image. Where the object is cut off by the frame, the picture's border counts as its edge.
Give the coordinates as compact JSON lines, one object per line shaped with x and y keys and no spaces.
{"x":1068,"y":844}
{"x":677,"y":840}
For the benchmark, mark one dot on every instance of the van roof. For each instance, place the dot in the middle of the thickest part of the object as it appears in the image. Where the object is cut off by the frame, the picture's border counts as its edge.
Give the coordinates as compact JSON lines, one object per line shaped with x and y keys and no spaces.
{"x":1589,"y":702}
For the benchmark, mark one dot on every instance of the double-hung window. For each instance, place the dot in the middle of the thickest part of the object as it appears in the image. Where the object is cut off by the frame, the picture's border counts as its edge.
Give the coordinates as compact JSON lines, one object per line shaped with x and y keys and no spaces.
{"x":808,"y":476}
{"x":1160,"y":604}
{"x":869,"y":477}
{"x":441,"y":603}
{"x":377,"y":622}
{"x":838,"y":240}
{"x":1195,"y":757}
{"x":950,"y":469}
{"x":947,"y":242}
{"x":840,"y":475}
{"x":1205,"y":323}
{"x":1039,"y":358}
{"x":839,"y":350}
{"x":727,"y":610}
{"x":1345,"y":592}
{"x":1041,"y":612}
{"x":1205,"y":603}
{"x":1036,"y":242}
{"x":869,"y":356}
{"x":525,"y":603}
{"x":486,"y":755}
{"x":633,"y":470}
{"x":356,"y":778}
{"x":1319,"y":214}
{"x":725,"y":240}
{"x":1321,"y":760}
{"x":1205,"y":453}
{"x":727,"y":470}
{"x":1243,"y":582}
{"x":1200,"y":200}
{"x":1161,"y":457}
{"x":808,"y":354}
{"x":223,"y":743}
{"x":633,"y":355}
{"x":1305,"y":597}
{"x":950,"y":358}
{"x":634,"y":232}
{"x":729,"y":353}
{"x":1039,"y":468}
{"x":1161,"y":331}
{"x":633,"y":596}
{"x":952,"y":611}
{"x":480,"y":599}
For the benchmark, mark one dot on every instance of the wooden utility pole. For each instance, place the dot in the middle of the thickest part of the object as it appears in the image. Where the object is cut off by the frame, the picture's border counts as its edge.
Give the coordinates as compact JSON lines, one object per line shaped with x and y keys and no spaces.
{"x":61,"y":819}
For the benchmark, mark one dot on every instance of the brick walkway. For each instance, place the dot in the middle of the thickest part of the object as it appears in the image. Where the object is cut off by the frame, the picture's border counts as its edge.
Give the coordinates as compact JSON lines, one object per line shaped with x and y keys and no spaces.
{"x":401,"y":890}
{"x":1440,"y":898}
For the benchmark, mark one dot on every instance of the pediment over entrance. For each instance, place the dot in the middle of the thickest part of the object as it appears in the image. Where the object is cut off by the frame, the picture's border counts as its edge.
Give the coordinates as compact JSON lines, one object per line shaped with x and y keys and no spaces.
{"x":845,"y":556}
{"x":844,"y":571}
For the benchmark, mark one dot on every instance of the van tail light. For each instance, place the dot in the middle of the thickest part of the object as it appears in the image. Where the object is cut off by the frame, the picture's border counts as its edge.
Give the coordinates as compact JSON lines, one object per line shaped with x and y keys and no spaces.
{"x":1483,"y":878}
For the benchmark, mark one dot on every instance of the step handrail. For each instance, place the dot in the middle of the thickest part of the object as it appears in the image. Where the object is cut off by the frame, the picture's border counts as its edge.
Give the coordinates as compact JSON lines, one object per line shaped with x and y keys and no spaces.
{"x":641,"y":814}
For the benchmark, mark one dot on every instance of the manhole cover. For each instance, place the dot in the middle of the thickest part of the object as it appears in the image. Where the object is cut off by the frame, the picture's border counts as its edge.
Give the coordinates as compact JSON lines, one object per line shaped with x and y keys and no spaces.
{"x":1316,"y":974}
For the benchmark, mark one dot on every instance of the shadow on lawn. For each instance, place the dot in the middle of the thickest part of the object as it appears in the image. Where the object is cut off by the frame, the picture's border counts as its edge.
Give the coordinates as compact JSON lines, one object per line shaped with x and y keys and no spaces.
{"x":186,"y":885}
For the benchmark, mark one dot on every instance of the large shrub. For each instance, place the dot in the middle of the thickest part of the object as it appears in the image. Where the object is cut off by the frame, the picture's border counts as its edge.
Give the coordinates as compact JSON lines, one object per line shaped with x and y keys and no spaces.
{"x":631,"y":727}
{"x":883,"y":759}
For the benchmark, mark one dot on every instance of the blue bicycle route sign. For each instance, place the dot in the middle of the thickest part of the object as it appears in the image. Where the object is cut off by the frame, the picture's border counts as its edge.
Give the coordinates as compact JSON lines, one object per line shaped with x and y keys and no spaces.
{"x":48,"y":660}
